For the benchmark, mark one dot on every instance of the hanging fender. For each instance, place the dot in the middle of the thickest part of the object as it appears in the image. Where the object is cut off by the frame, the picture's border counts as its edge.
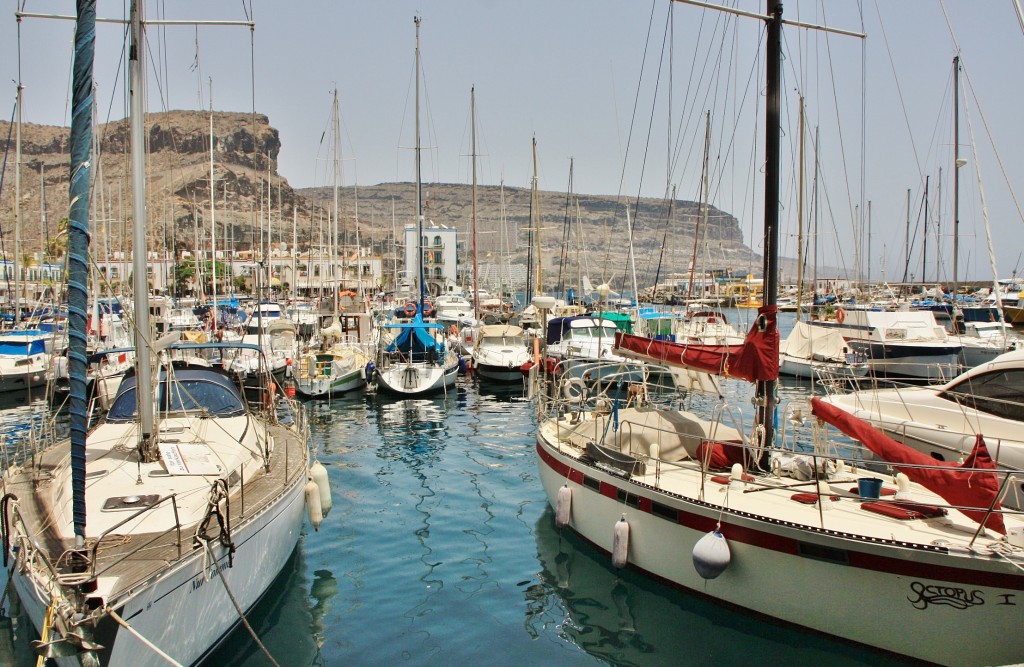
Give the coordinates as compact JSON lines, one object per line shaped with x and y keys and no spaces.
{"x":563,"y":507}
{"x":620,"y":543}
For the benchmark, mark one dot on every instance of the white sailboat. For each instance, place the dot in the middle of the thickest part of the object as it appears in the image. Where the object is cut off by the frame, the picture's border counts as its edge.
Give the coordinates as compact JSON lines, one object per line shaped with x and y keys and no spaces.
{"x":146,"y":539}
{"x":413,"y":358}
{"x":335,"y":363}
{"x":825,"y":550}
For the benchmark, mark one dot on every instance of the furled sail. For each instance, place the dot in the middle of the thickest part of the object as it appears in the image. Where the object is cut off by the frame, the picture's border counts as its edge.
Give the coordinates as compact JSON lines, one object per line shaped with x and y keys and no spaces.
{"x":964,"y":485}
{"x":756,"y":360}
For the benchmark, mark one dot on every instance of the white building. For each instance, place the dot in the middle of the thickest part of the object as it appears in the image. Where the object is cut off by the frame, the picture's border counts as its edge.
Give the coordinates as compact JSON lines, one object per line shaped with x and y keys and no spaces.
{"x":440,"y":255}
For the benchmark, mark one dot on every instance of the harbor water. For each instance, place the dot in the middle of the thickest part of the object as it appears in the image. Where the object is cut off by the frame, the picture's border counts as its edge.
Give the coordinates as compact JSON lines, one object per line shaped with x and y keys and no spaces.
{"x":441,"y":549}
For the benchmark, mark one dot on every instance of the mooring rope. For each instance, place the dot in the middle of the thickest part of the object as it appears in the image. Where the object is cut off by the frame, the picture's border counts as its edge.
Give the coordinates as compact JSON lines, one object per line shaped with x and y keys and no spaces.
{"x":241,"y":614}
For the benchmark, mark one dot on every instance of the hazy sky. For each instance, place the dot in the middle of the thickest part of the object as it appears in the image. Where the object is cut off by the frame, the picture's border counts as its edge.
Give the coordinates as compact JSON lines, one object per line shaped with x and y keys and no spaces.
{"x":596,"y":81}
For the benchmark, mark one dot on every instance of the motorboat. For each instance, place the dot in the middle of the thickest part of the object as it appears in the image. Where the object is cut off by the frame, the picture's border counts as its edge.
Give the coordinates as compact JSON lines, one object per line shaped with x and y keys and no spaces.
{"x":899,"y":343}
{"x":500,"y":351}
{"x":23,"y":359}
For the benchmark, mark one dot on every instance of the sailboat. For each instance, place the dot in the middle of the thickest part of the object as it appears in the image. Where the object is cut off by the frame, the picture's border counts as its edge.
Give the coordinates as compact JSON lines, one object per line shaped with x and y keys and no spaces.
{"x":807,"y":352}
{"x":334,"y":363}
{"x":146,"y":539}
{"x":413,"y":358}
{"x":905,"y":566}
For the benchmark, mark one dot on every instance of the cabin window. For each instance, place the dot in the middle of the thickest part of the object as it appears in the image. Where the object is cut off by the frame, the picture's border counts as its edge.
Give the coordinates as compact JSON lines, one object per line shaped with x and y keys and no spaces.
{"x":997,"y":393}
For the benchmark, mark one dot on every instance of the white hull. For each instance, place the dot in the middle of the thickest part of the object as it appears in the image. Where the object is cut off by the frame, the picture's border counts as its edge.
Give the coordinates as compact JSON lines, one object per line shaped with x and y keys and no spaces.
{"x":416,"y":379}
{"x":20,"y":379}
{"x":499,"y":373}
{"x":925,"y":368}
{"x":188,"y":591}
{"x":837,"y":574}
{"x":805,"y":368}
{"x":322,"y":387}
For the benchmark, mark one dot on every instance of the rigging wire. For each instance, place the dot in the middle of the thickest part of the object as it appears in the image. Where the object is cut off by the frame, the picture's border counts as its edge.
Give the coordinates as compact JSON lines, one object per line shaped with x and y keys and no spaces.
{"x":984,"y":121}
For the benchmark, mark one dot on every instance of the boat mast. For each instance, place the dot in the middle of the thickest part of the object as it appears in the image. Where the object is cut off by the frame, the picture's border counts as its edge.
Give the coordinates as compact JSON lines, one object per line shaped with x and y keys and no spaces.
{"x":800,"y":216}
{"x":924,"y":236}
{"x":536,"y":222}
{"x":419,"y":182}
{"x":336,"y":176}
{"x":78,"y":251}
{"x":213,"y":224}
{"x":957,"y":163}
{"x":136,"y":71}
{"x":476,"y":290}
{"x":17,"y":205}
{"x":765,"y":393}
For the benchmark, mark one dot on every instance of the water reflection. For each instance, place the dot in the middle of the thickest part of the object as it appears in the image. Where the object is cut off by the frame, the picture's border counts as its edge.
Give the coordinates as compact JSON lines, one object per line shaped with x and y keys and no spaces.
{"x":287,"y":623}
{"x":625,"y":618}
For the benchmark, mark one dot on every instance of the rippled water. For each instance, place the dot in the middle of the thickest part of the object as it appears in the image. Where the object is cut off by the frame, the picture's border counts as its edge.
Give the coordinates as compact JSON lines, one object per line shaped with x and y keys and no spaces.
{"x":441,"y":550}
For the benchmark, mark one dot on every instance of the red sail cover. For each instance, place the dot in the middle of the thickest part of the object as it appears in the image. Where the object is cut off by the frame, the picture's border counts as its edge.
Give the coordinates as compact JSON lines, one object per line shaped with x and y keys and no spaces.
{"x":757,"y":359}
{"x":957,"y":486}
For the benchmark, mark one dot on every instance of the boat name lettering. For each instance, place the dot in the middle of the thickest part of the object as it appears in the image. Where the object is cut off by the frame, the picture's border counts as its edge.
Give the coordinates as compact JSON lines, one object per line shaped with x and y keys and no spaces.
{"x":951,"y":596}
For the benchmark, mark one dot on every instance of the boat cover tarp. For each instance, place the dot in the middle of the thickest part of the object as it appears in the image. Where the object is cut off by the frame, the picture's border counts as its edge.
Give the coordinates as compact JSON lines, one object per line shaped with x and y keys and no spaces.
{"x":756,"y":360}
{"x":807,"y":342}
{"x":959,"y":485}
{"x":416,"y":341}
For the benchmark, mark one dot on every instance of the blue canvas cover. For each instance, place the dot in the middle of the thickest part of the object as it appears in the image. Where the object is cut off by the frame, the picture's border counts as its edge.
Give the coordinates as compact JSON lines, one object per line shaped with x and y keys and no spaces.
{"x":415,"y":342}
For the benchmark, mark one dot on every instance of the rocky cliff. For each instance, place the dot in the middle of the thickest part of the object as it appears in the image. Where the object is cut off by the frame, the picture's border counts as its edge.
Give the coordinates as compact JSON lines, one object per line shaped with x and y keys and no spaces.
{"x":585,"y":230}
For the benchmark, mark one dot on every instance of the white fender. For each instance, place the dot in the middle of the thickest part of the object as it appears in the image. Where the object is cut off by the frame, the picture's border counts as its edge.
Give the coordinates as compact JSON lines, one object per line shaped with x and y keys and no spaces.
{"x":563,"y":508}
{"x":711,"y":555}
{"x":318,"y":473}
{"x":902,"y":486}
{"x":620,"y":543}
{"x":313,"y":510}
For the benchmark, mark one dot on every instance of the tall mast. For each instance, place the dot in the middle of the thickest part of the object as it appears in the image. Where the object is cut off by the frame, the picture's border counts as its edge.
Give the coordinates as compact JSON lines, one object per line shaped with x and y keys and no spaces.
{"x":213,"y":223}
{"x":419,"y":182}
{"x":78,"y":251}
{"x":476,"y":290}
{"x":336,"y":164}
{"x":137,"y":71}
{"x":800,"y":216}
{"x":924,"y":253}
{"x":957,"y":163}
{"x":17,"y":209}
{"x":765,"y":398}
{"x":536,"y":221}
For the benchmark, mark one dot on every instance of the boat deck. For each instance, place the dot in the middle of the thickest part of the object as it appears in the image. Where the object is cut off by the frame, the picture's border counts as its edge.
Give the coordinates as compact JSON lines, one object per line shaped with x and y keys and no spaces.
{"x":130,"y":557}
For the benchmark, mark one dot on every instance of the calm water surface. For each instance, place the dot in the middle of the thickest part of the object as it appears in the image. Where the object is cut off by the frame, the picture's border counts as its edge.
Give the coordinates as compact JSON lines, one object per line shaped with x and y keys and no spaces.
{"x":441,"y":550}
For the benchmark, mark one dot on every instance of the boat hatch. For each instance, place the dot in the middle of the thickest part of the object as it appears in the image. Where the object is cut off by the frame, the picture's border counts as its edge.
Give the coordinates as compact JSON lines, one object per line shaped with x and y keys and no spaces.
{"x":130,"y":502}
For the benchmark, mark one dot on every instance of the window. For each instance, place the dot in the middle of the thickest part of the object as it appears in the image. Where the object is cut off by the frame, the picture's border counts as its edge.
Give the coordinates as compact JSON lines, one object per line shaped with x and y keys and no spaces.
{"x":997,"y":393}
{"x":437,"y":241}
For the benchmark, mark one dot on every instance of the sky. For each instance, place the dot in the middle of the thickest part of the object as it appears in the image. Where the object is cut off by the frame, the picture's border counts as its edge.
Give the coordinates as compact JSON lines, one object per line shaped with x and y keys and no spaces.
{"x":619,"y":89}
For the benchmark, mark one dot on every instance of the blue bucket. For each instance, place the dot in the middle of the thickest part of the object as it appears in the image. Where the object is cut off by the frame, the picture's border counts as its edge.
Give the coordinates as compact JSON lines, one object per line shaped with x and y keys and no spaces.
{"x":869,"y":487}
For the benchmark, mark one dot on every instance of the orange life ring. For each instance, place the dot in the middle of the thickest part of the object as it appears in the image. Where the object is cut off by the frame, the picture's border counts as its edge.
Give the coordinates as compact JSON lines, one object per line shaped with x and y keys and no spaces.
{"x":428,"y":309}
{"x":840,"y":315}
{"x":410,"y":309}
